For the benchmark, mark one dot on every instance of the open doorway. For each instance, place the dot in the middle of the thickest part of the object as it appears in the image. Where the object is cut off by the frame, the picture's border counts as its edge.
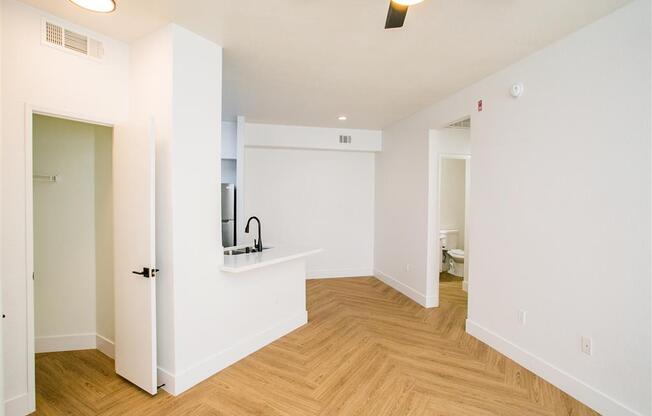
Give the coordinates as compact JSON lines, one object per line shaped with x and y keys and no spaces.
{"x":453,"y":214}
{"x":449,"y":207}
{"x":73,"y":253}
{"x":90,"y":203}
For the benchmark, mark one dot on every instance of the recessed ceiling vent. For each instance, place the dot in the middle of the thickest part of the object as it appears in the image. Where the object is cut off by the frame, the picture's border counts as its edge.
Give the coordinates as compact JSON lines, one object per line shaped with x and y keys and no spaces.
{"x":345,"y":139}
{"x":462,"y":124}
{"x":63,"y":38}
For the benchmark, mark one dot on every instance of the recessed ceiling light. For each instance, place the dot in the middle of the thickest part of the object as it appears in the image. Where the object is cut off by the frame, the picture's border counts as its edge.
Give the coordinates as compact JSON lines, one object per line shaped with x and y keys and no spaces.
{"x":342,"y":118}
{"x":102,"y":6}
{"x":407,"y":2}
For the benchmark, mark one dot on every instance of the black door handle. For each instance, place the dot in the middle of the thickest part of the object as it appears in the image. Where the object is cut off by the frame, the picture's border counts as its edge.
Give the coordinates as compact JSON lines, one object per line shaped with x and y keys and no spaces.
{"x":147,"y":272}
{"x":144,"y":273}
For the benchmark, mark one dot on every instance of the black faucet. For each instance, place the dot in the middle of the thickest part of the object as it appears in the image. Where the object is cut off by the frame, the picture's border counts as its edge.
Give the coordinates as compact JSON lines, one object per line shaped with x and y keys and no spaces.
{"x":258,"y":244}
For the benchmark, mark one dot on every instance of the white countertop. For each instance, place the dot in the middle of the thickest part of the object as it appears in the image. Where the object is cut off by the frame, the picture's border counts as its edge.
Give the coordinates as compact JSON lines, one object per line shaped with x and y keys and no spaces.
{"x":273,"y":255}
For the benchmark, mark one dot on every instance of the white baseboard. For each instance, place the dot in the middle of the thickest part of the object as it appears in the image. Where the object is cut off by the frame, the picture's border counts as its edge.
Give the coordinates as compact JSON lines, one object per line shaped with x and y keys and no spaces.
{"x":176,"y":384}
{"x":75,"y":342}
{"x":336,"y":273}
{"x":586,"y":394}
{"x":105,"y":346}
{"x":166,"y":379}
{"x":18,"y":406}
{"x":418,"y":297}
{"x":71,"y":342}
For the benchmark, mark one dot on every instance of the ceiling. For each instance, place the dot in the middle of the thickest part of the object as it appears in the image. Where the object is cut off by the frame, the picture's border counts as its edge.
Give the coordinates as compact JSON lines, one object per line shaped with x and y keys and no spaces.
{"x":306,"y":62}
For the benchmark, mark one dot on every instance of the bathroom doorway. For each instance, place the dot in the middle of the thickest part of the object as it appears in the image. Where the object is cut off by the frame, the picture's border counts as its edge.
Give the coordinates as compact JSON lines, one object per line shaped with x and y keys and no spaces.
{"x":453,"y":217}
{"x":448,"y":213}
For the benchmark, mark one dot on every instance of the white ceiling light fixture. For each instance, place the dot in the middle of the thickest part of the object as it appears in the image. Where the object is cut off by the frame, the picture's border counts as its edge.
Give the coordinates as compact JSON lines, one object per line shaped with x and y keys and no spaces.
{"x":342,"y":118}
{"x":100,"y":6}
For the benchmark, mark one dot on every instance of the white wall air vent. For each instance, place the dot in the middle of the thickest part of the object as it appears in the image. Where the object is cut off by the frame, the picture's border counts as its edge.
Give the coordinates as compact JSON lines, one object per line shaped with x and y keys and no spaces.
{"x":75,"y":41}
{"x":462,"y":124}
{"x":59,"y":37}
{"x":345,"y":139}
{"x":53,"y":34}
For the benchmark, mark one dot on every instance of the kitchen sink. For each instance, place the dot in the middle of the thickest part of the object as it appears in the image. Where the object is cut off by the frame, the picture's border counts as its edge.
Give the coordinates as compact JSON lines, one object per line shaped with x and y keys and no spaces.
{"x":242,"y":250}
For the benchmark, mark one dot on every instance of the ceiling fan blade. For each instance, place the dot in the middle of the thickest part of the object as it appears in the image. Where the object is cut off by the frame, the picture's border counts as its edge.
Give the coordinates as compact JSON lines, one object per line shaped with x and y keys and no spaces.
{"x":395,"y":15}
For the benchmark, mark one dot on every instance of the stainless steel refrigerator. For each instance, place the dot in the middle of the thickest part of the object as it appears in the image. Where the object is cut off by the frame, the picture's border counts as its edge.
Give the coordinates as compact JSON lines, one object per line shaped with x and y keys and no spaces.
{"x":228,"y":215}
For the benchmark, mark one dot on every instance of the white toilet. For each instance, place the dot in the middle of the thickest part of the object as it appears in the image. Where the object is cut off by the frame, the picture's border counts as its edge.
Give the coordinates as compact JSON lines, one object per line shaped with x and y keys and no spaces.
{"x":453,"y":260}
{"x":457,"y":262}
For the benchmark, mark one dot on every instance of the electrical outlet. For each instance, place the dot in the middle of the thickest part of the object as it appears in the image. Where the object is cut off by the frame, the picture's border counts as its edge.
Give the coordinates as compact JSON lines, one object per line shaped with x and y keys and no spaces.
{"x":587,"y":346}
{"x":407,"y":267}
{"x":522,"y":316}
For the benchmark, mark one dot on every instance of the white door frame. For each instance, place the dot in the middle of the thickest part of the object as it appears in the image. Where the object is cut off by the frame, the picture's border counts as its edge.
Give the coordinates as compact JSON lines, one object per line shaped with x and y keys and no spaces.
{"x":30,"y":110}
{"x":467,"y":205}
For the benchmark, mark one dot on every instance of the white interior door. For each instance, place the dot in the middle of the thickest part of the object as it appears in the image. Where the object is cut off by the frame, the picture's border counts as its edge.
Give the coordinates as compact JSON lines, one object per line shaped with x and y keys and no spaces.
{"x":135,"y":294}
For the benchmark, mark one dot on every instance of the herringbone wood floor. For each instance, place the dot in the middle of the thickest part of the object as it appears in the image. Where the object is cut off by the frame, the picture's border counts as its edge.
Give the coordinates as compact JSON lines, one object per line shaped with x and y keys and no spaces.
{"x":367,"y":350}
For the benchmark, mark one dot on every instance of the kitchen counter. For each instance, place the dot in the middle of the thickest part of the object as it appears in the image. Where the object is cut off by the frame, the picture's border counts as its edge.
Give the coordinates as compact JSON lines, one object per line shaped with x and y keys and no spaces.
{"x":273,"y":255}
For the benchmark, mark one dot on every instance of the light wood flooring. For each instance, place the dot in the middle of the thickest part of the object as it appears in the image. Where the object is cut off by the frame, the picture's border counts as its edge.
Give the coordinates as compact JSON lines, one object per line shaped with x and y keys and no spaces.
{"x":367,"y":350}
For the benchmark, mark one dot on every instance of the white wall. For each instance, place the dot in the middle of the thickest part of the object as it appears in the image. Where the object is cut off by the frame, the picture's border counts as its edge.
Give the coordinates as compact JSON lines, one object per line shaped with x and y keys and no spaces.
{"x":566,"y":165}
{"x":401,"y":215}
{"x":229,"y":171}
{"x":229,"y":145}
{"x":48,"y":79}
{"x":453,"y":179}
{"x":315,"y":198}
{"x":229,"y":149}
{"x":271,"y":135}
{"x":312,"y":191}
{"x":197,"y":109}
{"x":104,"y":233}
